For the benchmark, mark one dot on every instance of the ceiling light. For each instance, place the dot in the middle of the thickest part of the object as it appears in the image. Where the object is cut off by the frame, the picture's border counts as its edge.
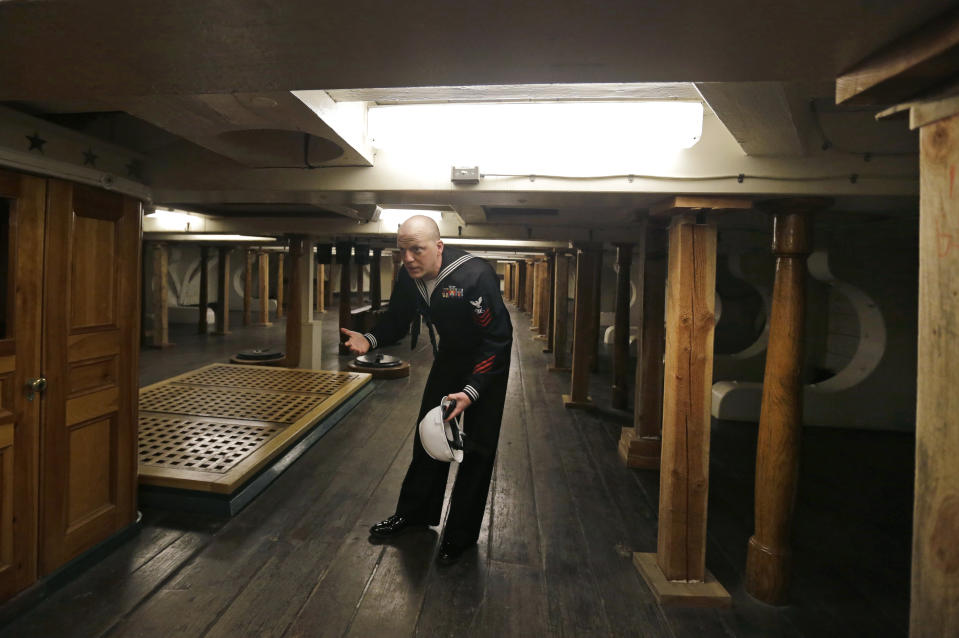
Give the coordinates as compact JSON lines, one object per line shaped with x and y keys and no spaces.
{"x":393,"y":217}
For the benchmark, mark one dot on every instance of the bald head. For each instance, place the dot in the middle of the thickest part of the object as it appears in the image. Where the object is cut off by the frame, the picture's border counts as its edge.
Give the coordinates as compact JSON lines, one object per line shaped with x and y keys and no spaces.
{"x":420,"y":247}
{"x":421,"y":227}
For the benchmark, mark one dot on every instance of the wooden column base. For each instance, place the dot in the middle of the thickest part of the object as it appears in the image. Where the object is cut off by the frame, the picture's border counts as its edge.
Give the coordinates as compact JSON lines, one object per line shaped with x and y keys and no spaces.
{"x":540,"y":337}
{"x":709,"y":593}
{"x":767,"y":573}
{"x":638,"y":452}
{"x":577,"y":405}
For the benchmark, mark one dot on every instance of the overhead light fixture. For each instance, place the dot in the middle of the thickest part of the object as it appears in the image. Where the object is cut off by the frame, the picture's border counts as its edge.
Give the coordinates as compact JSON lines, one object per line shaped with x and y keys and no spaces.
{"x":173,"y":220}
{"x":525,"y":138}
{"x":391,"y":218}
{"x":237,"y":238}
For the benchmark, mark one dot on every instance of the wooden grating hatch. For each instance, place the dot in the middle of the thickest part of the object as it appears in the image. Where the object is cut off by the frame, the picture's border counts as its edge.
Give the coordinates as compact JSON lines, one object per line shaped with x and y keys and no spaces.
{"x":213,"y":428}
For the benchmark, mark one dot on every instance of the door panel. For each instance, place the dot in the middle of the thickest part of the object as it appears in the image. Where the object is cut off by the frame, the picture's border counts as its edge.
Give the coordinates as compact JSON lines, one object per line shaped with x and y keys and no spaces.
{"x":89,"y":424}
{"x":21,"y":278}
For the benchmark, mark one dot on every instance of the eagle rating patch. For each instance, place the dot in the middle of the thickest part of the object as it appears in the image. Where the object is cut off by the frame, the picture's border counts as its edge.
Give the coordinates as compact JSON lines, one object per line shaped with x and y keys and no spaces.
{"x":481,"y":313}
{"x":451,"y":292}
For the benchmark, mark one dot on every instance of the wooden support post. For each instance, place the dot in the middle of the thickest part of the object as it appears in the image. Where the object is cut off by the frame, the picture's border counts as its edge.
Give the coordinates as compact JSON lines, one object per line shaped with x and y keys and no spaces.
{"x":925,"y":63}
{"x":597,"y":312}
{"x":507,"y":285}
{"x":248,"y":288}
{"x":397,"y":264}
{"x":780,"y":421}
{"x":536,"y":298}
{"x":263,"y":272}
{"x":321,"y":287}
{"x":343,"y":250}
{"x":583,"y":328}
{"x":302,"y":333}
{"x":550,"y":302}
{"x":223,"y":282}
{"x":624,"y":254}
{"x":639,"y":446}
{"x":560,"y":314}
{"x":280,"y":258}
{"x":521,"y":286}
{"x":935,"y":550}
{"x":677,"y":572}
{"x":328,"y":292}
{"x":528,"y":291}
{"x":543,"y":292}
{"x":376,"y":293}
{"x":203,"y":300}
{"x":360,"y":261}
{"x":161,"y":324}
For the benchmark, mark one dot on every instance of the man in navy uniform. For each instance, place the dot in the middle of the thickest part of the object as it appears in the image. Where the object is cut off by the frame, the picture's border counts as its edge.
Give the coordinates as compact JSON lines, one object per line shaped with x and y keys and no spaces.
{"x":469,"y":327}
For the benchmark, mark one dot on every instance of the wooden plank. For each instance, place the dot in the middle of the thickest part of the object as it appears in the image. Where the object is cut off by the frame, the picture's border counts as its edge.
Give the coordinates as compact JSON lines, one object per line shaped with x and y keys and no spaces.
{"x":690,"y":319}
{"x":516,"y":538}
{"x":573,"y":606}
{"x":694,"y":203}
{"x":515,"y":604}
{"x":913,"y":64}
{"x":935,"y":552}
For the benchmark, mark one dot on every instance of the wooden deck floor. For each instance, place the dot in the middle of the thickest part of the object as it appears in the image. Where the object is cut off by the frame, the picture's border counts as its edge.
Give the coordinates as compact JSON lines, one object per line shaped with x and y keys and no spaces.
{"x":554,"y":558}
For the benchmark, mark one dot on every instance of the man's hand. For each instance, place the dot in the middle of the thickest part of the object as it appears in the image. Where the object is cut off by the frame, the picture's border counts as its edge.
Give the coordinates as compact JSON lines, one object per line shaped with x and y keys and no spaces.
{"x":463,"y":401}
{"x":356,"y":342}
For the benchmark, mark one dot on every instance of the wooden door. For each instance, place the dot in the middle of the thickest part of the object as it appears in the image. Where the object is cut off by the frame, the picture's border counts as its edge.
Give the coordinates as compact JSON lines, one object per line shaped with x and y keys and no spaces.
{"x":91,"y":311}
{"x":21,"y":276}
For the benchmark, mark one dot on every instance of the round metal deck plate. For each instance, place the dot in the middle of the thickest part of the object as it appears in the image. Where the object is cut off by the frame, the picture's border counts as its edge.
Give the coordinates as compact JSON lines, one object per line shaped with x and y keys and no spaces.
{"x":378,"y":361}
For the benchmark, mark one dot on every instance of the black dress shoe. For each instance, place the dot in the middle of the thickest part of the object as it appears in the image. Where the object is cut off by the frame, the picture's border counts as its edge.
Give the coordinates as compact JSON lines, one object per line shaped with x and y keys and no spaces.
{"x":393,"y":526}
{"x":451,"y":552}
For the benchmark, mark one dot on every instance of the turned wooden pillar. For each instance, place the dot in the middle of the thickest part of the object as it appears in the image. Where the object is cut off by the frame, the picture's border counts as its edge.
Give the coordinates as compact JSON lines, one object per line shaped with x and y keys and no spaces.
{"x":204,"y":296}
{"x":639,"y":445}
{"x":584,"y":329}
{"x":780,"y":420}
{"x":280,"y":258}
{"x":161,"y":320}
{"x":521,"y":285}
{"x":561,"y":313}
{"x":624,"y":254}
{"x":549,"y":300}
{"x":343,"y":251}
{"x":248,"y":288}
{"x":223,"y":290}
{"x":376,"y":293}
{"x":680,"y":557}
{"x":507,"y":281}
{"x":263,"y":272}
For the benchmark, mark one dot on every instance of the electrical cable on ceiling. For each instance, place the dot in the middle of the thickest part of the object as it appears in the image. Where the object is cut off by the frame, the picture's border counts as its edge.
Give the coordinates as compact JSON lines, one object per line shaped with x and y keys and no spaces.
{"x":852,"y":177}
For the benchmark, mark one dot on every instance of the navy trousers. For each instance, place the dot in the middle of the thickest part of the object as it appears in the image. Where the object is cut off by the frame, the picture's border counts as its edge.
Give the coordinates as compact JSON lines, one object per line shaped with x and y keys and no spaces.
{"x":421,"y":497}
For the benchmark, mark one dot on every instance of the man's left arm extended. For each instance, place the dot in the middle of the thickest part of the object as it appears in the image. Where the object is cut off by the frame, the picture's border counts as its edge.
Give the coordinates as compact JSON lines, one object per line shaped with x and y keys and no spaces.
{"x":491,"y":358}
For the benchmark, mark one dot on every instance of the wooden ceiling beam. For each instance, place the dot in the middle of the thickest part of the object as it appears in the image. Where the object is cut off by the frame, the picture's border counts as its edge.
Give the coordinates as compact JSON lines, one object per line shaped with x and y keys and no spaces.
{"x":907,"y":67}
{"x":686,"y":204}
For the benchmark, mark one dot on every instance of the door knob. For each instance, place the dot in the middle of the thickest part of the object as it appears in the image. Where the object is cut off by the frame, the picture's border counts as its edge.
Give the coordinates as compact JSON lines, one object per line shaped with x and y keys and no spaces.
{"x":34,"y":386}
